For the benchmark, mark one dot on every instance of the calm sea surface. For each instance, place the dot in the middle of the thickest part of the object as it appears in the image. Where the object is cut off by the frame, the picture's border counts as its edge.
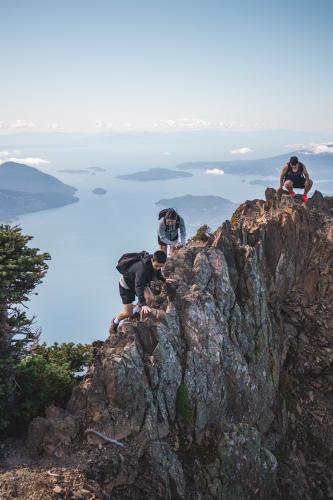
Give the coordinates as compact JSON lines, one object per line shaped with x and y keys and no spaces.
{"x":79,"y":295}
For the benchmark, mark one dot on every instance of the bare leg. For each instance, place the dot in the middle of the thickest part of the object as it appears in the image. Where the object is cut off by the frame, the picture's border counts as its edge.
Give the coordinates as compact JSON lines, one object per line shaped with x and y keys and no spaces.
{"x":289,"y":185}
{"x":149,"y":296}
{"x":172,"y":250}
{"x":126,"y":313}
{"x":307,"y":186}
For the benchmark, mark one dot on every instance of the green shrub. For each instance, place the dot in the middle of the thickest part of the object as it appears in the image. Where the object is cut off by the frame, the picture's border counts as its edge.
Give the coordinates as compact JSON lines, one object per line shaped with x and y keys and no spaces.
{"x":31,"y":376}
{"x":45,"y":377}
{"x":203,"y":234}
{"x":77,"y":356}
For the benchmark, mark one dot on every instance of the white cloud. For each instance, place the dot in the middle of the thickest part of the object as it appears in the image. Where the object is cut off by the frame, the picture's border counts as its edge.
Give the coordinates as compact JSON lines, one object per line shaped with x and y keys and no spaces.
{"x":35,"y":162}
{"x":4,"y":153}
{"x":241,"y":151}
{"x":199,"y":124}
{"x":22,"y":124}
{"x":195,"y":123}
{"x":169,"y":123}
{"x":167,"y":153}
{"x":53,"y":126}
{"x":102,"y":125}
{"x":231,"y":125}
{"x":313,"y":147}
{"x":214,"y":171}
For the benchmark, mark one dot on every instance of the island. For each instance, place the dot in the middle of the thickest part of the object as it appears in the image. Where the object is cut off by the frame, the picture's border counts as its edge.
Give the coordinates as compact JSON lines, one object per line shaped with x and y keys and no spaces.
{"x":97,"y":169}
{"x":99,"y":191}
{"x":26,"y":189}
{"x":154,"y":174}
{"x":79,"y":171}
{"x":199,"y":210}
{"x":89,"y":170}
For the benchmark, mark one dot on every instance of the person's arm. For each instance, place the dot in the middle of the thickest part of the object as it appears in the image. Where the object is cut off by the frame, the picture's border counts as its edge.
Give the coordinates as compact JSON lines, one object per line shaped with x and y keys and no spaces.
{"x":140,"y":283}
{"x":160,"y":276}
{"x":306,"y":173}
{"x":182,"y":229}
{"x":163,"y":234}
{"x":283,"y":173}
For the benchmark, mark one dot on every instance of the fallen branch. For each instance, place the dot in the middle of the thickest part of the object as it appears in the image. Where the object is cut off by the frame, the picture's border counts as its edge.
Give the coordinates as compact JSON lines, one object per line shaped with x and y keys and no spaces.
{"x":53,"y":474}
{"x":109,"y":440}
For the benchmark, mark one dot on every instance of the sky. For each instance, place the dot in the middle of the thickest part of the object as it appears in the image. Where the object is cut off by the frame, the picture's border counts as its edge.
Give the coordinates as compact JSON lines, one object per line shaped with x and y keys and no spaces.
{"x":89,"y":66}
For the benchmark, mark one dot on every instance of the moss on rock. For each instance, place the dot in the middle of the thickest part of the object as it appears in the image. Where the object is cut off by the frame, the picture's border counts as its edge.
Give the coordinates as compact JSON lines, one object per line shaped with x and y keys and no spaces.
{"x":183,"y":406}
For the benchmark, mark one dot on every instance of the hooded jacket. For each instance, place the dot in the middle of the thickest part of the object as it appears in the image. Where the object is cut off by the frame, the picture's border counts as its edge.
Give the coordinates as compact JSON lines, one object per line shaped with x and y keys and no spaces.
{"x":139,"y":275}
{"x":169,"y":234}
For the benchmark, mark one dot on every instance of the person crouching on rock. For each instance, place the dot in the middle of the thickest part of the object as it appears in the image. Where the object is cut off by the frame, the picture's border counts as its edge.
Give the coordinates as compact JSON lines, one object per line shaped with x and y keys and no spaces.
{"x":137,"y":271}
{"x":168,"y":230}
{"x":294,"y":175}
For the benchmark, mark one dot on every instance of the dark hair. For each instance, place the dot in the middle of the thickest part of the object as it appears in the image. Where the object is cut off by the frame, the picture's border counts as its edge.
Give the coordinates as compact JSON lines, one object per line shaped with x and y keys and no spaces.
{"x":160,"y":257}
{"x":171,"y":214}
{"x":293,"y":160}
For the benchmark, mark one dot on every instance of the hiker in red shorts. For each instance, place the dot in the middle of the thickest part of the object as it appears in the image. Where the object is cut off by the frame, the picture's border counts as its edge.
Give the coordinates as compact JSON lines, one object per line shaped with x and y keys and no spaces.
{"x":294,"y":175}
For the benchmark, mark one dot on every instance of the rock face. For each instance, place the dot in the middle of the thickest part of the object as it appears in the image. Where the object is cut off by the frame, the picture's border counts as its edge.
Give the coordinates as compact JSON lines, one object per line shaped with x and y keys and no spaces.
{"x":218,"y":401}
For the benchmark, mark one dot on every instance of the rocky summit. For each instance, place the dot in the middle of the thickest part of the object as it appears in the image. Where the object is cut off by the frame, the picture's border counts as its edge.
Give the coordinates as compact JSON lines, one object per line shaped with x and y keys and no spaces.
{"x":227,"y":392}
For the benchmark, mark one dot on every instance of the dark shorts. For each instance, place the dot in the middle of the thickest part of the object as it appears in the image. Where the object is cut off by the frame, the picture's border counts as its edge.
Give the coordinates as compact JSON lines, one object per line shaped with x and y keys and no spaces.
{"x":298,"y":183}
{"x":127,"y":296}
{"x":160,"y":242}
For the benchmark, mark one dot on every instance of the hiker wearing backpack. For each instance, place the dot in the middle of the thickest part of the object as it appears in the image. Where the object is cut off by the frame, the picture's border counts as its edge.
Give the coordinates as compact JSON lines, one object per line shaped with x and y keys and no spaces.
{"x":294,"y":175}
{"x":137,"y":271}
{"x":171,"y":224}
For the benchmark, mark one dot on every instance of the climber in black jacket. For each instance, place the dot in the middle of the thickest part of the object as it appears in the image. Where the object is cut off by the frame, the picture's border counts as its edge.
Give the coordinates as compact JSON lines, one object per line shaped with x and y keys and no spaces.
{"x":295,"y":175}
{"x":133,"y":281}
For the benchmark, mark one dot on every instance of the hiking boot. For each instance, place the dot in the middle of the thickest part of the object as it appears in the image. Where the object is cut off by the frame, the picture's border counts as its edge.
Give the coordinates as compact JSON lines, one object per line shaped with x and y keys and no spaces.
{"x":305,"y":198}
{"x":113,"y":327}
{"x":293,"y":194}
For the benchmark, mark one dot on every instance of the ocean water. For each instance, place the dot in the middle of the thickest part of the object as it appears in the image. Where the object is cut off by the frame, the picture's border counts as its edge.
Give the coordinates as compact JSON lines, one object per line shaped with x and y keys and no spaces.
{"x":79,"y":295}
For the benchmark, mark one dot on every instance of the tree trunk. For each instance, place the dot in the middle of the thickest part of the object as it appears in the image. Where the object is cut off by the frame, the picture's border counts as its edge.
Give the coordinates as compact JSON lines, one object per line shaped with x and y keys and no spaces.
{"x":5,"y":331}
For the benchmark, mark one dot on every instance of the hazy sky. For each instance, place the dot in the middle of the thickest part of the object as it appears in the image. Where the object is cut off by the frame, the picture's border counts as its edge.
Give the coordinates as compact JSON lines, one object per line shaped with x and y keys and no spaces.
{"x":79,"y":65}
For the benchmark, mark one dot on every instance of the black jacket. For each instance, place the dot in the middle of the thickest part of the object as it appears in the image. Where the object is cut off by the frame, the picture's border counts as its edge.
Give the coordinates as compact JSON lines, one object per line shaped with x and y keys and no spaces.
{"x":139,"y":275}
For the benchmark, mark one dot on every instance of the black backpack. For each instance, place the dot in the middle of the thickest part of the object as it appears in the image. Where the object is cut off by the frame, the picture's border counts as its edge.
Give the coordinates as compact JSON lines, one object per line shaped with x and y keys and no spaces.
{"x":163,"y":213}
{"x":128,"y":259}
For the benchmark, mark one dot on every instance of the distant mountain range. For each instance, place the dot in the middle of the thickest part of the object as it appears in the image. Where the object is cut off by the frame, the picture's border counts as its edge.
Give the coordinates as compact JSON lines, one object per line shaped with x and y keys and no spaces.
{"x":25,"y":189}
{"x":318,"y":165}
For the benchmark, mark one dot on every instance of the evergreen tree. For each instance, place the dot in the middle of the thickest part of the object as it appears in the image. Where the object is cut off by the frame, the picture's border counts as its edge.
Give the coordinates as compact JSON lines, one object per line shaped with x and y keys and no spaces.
{"x":22,"y":268}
